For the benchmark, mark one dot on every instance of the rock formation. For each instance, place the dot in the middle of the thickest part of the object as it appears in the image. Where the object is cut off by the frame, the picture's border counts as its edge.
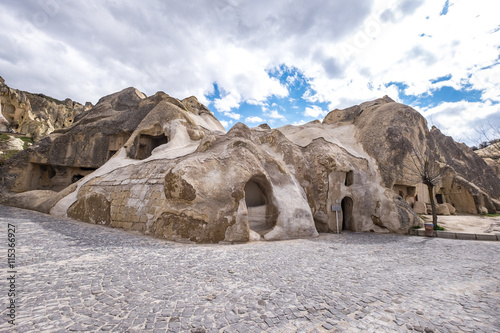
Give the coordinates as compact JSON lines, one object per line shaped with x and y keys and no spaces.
{"x":166,"y":167}
{"x":491,"y":155}
{"x":35,"y":115}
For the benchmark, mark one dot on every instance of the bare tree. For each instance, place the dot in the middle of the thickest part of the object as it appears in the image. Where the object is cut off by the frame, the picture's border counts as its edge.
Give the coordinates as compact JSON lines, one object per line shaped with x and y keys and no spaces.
{"x":488,"y":139}
{"x":424,"y":167}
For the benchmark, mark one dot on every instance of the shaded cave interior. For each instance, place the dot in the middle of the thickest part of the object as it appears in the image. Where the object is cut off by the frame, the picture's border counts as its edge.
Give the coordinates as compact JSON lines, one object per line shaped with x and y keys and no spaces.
{"x":262,"y":214}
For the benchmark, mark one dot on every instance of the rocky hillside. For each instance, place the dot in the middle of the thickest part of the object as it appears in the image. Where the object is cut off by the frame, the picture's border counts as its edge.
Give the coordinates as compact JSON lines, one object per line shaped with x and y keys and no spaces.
{"x":35,"y":115}
{"x":12,"y":144}
{"x":491,"y":155}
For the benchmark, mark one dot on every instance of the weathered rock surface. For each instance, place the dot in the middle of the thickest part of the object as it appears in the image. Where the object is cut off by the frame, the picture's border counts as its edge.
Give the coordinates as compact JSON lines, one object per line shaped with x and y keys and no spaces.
{"x":166,"y":167}
{"x":420,"y":207}
{"x":11,"y":143}
{"x":35,"y":115}
{"x":491,"y":155}
{"x":471,"y":185}
{"x":442,"y":209}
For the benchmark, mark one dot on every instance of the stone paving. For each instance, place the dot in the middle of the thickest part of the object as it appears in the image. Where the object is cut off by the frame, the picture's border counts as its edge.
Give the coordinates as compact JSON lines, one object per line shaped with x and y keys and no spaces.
{"x":76,"y":277}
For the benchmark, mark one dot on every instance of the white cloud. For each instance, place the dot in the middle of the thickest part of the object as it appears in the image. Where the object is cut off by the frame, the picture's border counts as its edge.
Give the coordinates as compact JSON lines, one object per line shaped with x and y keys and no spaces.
{"x":315,"y":112}
{"x":452,"y":49}
{"x":254,"y":119}
{"x":298,"y":123}
{"x":227,"y":103}
{"x":461,"y":119}
{"x":275,"y":115}
{"x":116,"y":45}
{"x":346,"y":51}
{"x":235,"y":116}
{"x":227,"y":124}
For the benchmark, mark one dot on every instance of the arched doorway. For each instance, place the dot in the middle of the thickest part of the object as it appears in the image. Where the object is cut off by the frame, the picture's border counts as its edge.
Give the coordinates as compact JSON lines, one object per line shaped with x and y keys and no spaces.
{"x":346,"y":204}
{"x":261,"y":217}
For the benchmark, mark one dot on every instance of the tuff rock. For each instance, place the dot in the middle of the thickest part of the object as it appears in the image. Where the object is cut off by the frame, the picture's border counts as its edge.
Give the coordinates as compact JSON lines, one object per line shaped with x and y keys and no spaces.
{"x":35,"y":115}
{"x":166,"y":167}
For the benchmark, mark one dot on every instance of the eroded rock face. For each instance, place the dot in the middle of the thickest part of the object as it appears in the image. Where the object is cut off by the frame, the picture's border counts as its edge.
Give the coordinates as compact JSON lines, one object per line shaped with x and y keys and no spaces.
{"x":165,"y":167}
{"x":472,"y":185}
{"x":35,"y":115}
{"x":124,"y":119}
{"x":491,"y":155}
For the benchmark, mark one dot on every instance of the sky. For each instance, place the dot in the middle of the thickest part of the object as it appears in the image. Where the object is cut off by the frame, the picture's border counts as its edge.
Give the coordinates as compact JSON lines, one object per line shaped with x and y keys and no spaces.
{"x":274,"y":61}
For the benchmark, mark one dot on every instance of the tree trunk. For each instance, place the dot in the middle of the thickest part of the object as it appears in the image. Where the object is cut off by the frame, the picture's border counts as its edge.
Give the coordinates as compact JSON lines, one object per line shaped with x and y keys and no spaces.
{"x":430,"y":189}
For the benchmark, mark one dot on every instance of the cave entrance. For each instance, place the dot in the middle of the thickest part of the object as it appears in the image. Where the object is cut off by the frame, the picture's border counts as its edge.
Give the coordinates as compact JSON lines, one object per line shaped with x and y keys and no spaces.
{"x":261,"y":217}
{"x":439,"y":199}
{"x":347,"y":204}
{"x":147,"y":143}
{"x":54,"y":177}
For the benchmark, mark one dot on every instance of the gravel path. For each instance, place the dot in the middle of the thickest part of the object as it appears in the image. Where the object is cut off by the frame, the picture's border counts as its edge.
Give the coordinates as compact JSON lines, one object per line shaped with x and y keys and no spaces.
{"x":75,"y":277}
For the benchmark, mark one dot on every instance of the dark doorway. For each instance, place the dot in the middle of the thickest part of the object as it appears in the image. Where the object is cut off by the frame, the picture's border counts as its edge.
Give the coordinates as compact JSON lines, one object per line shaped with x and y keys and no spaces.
{"x":346,"y":204}
{"x":439,"y":199}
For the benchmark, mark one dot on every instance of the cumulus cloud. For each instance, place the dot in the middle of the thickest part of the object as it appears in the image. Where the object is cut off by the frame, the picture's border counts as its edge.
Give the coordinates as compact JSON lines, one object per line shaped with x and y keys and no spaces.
{"x":345,"y":51}
{"x":226,"y":124}
{"x":232,"y":115}
{"x":298,"y":123}
{"x":176,"y":47}
{"x":461,"y":120}
{"x":254,"y":119}
{"x":315,"y":112}
{"x":274,"y":114}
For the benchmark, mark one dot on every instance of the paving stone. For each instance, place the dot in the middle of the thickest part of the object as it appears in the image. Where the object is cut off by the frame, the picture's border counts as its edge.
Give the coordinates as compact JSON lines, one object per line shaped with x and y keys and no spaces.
{"x":79,"y":277}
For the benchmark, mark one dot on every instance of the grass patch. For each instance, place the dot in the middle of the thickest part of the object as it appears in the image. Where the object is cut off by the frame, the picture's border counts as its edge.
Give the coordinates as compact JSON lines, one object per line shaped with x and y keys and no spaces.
{"x":4,"y":137}
{"x":27,"y":141}
{"x":492,"y":215}
{"x":439,"y":228}
{"x":417,"y":227}
{"x":7,"y":155}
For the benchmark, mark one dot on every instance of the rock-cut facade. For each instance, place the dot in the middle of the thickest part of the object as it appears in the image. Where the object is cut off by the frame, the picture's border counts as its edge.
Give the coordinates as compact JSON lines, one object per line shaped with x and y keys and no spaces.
{"x":166,"y":167}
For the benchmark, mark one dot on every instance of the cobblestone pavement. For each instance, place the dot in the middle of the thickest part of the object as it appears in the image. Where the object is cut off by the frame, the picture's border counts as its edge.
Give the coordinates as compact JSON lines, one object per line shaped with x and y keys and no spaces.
{"x":74,"y":277}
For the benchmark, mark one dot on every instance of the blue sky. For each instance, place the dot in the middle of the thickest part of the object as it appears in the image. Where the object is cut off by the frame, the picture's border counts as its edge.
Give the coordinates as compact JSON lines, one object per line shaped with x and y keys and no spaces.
{"x":272,"y":61}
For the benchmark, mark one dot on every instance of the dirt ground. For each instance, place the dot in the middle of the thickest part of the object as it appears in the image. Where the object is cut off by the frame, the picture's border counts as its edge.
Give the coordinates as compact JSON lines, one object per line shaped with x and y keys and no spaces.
{"x":468,"y":223}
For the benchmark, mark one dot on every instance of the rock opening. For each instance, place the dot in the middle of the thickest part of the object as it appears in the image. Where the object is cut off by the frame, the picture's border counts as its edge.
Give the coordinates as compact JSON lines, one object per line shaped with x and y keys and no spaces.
{"x":147,"y":143}
{"x":347,"y":223}
{"x":260,"y":213}
{"x":349,"y":178}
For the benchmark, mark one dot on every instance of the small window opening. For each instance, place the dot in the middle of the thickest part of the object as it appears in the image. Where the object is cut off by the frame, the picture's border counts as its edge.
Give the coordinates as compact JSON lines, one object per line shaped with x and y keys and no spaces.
{"x":349,"y":178}
{"x":147,"y":143}
{"x":439,"y":199}
{"x":76,"y":178}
